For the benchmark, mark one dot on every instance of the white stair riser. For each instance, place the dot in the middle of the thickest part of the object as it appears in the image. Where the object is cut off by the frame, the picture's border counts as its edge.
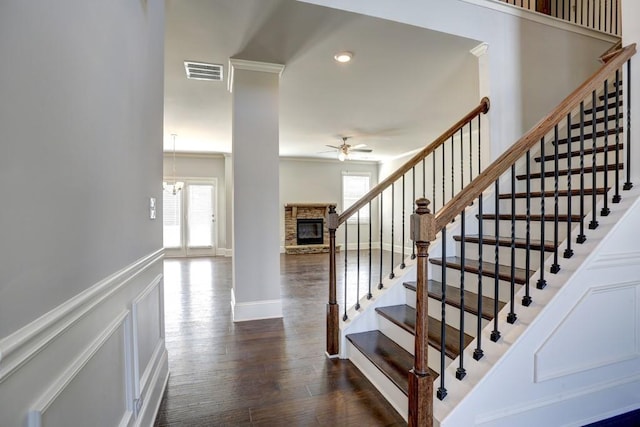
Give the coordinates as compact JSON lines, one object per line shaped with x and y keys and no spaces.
{"x":453,"y":317}
{"x":388,"y":389}
{"x":472,"y":251}
{"x":406,"y":340}
{"x":471,"y":283}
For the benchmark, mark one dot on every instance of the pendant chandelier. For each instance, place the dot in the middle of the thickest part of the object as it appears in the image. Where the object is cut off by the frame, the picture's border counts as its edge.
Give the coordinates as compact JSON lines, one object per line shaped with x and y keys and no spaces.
{"x":173,"y":186}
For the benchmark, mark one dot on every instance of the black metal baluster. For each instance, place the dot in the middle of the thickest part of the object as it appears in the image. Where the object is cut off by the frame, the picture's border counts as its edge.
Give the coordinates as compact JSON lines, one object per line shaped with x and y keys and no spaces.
{"x":345,"y":317}
{"x":424,"y":178}
{"x":453,"y":174}
{"x":357,"y":261}
{"x":581,"y":237}
{"x":369,"y":294}
{"x":600,"y":19}
{"x":380,"y":285}
{"x":402,"y":264}
{"x":393,"y":220}
{"x":413,"y":176}
{"x":568,"y":252}
{"x":461,"y":160}
{"x":555,"y":267}
{"x":433,"y":179}
{"x":526,"y":299}
{"x":628,"y":185}
{"x":605,"y":209}
{"x":495,"y":334}
{"x":588,"y":4}
{"x":616,"y":197}
{"x":442,"y":391}
{"x":444,"y":179}
{"x":479,"y":147}
{"x":477,"y":352}
{"x":594,"y":222}
{"x":461,"y":372}
{"x":511,"y":317}
{"x":541,"y":281}
{"x":470,"y":151}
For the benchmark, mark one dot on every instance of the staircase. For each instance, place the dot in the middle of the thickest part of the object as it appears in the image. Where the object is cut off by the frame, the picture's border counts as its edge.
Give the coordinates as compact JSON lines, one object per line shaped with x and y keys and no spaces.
{"x":503,"y":236}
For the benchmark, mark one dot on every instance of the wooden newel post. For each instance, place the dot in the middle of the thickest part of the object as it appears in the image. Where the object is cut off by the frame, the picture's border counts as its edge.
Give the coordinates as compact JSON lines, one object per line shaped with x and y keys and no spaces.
{"x":333,"y":322}
{"x":420,"y":381}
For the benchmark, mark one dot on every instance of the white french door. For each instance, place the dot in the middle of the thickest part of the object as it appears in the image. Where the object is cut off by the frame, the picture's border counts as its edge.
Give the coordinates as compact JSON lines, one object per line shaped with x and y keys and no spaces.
{"x":189,"y":219}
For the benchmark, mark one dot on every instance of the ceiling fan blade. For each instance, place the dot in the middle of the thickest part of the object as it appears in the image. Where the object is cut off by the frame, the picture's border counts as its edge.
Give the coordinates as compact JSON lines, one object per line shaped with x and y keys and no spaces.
{"x":333,"y":146}
{"x":355,"y":147}
{"x":361,"y":150}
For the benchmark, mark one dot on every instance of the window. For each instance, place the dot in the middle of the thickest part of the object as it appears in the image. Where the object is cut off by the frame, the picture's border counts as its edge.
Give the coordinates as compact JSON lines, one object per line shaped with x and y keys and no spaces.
{"x":354,"y":186}
{"x":172,"y":219}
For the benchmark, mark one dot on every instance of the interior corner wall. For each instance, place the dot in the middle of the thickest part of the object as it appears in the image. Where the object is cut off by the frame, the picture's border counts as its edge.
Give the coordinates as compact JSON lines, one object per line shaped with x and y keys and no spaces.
{"x":205,"y":166}
{"x":81,"y":111}
{"x":533,"y":66}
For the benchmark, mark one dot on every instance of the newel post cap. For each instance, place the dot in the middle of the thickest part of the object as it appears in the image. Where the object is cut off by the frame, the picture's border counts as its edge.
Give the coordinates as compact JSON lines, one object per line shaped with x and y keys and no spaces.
{"x":332,"y":218}
{"x":423,"y":222}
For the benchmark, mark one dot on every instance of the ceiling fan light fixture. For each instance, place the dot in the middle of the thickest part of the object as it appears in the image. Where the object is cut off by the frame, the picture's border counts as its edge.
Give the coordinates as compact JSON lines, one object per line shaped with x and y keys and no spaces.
{"x":343,"y":57}
{"x":341,"y":156}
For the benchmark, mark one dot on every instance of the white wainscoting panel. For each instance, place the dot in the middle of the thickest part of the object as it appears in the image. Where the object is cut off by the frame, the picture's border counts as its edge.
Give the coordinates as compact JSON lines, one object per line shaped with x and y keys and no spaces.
{"x":76,"y":365}
{"x":86,"y":393}
{"x":605,"y":318}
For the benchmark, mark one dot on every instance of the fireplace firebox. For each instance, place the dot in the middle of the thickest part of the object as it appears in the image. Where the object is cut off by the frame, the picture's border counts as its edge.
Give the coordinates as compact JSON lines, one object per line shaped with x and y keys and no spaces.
{"x":310,"y":231}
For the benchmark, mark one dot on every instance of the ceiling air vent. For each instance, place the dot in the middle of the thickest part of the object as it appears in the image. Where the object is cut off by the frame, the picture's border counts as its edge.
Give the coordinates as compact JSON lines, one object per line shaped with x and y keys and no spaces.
{"x":203,"y":71}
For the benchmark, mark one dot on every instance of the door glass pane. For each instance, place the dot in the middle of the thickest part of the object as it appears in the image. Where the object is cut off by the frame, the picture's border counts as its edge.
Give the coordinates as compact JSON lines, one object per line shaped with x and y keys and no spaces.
{"x":200,"y":213}
{"x":172,"y":220}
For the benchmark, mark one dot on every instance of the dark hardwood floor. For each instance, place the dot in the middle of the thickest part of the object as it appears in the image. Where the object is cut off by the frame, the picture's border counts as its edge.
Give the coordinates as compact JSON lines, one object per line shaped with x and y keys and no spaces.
{"x":259,"y":373}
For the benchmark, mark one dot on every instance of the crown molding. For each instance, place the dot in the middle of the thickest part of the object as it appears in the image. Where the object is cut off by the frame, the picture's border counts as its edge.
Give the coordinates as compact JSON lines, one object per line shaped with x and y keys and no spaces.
{"x":245,"y":64}
{"x":480,"y":50}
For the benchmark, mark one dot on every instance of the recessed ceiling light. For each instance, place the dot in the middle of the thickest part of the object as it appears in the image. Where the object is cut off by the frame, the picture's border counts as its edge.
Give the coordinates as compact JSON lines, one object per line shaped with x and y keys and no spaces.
{"x":343,"y":56}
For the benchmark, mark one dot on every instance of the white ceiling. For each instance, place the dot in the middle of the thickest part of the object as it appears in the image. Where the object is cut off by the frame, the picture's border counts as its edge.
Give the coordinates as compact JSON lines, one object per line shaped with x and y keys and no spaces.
{"x":404,"y":86}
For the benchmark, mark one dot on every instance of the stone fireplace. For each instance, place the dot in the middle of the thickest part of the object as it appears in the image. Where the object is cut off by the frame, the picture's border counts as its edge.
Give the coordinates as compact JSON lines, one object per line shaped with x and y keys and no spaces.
{"x":305,"y":228}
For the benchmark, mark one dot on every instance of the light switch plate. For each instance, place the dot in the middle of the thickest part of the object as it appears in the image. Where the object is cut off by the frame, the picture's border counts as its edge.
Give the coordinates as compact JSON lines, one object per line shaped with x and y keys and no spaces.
{"x":152,"y":208}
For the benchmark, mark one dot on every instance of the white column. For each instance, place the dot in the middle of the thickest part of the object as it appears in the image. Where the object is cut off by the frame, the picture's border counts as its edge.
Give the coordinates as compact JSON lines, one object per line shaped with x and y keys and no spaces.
{"x":256,"y":194}
{"x":631,"y":34}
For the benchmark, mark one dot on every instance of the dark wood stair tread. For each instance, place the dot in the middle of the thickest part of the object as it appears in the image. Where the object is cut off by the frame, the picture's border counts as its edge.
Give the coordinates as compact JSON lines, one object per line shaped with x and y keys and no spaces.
{"x":575,"y":171}
{"x":589,"y":136}
{"x":405,"y":317}
{"x":488,"y":268}
{"x":392,"y":360}
{"x":598,"y":120}
{"x":434,"y":288}
{"x":588,"y":151}
{"x":523,"y":217}
{"x":520,"y":243}
{"x":550,"y":193}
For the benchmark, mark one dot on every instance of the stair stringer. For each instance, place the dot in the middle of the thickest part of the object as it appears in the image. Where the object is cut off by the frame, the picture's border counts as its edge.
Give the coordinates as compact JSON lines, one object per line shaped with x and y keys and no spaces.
{"x":545,"y":369}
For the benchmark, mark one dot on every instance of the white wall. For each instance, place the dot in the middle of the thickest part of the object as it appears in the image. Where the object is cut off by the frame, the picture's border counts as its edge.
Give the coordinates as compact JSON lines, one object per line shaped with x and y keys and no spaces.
{"x":631,"y":34}
{"x":81,"y":117}
{"x":204,"y":166}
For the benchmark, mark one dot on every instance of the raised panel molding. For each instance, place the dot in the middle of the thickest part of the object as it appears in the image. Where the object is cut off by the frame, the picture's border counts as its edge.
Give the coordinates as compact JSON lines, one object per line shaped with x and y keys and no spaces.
{"x":48,"y":399}
{"x":602,"y":329}
{"x":613,"y":260}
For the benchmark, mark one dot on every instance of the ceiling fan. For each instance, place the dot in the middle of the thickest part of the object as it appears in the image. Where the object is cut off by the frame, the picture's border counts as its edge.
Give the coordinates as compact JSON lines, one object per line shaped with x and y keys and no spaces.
{"x":344,"y":150}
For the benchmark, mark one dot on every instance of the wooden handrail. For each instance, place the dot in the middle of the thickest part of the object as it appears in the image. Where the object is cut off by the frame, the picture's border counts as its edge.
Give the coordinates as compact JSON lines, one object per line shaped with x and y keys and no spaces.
{"x":483,"y":107}
{"x":472,"y":191}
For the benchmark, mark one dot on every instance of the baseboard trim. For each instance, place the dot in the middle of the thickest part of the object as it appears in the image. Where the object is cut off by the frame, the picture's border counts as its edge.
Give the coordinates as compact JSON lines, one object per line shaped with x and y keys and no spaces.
{"x":21,"y":346}
{"x":255,"y":310}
